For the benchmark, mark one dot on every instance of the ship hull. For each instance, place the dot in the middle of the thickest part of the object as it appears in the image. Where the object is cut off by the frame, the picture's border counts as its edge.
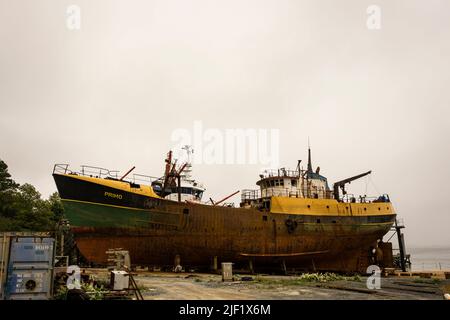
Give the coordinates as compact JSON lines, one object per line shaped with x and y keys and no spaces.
{"x":154,"y":231}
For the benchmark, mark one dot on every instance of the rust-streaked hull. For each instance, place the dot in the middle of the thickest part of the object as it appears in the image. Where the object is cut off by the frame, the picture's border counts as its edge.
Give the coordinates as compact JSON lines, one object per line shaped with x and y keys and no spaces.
{"x":197,"y":233}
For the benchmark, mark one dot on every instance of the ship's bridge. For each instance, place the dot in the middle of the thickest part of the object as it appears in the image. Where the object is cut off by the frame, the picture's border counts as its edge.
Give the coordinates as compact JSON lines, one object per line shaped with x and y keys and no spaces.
{"x":285,"y":182}
{"x":301,"y":183}
{"x":293,"y":183}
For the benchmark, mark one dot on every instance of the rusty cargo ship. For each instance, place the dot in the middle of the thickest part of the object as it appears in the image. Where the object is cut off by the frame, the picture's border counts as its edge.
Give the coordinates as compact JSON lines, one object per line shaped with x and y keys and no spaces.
{"x":294,"y":218}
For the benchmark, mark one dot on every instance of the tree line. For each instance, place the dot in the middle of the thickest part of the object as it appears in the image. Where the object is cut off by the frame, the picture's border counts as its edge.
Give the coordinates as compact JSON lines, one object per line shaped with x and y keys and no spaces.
{"x":22,"y":207}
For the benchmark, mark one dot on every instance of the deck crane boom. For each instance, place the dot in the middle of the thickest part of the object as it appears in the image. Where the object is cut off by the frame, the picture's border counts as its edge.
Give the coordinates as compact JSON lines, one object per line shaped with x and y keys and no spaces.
{"x":341,"y":184}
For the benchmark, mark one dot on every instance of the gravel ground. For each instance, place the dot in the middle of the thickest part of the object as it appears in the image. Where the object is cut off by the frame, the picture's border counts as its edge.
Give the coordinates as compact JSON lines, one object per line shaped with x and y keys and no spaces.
{"x":200,"y":286}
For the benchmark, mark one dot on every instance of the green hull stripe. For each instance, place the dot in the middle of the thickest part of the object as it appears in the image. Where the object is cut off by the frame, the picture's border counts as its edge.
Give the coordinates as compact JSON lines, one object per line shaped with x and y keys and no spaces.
{"x":84,"y":214}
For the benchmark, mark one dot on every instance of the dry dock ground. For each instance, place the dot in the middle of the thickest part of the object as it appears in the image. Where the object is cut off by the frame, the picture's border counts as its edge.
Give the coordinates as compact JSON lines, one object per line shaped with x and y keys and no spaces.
{"x":207,"y":286}
{"x":199,"y":286}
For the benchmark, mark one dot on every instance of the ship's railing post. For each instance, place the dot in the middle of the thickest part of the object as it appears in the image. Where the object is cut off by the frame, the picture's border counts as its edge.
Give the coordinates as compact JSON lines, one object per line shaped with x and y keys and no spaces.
{"x":60,"y":168}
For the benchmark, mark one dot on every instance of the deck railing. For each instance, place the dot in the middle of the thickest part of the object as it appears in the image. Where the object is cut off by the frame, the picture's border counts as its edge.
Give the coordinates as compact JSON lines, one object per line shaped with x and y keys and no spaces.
{"x":282,"y":172}
{"x":351,"y":198}
{"x":255,"y":194}
{"x":248,"y":194}
{"x":98,"y":172}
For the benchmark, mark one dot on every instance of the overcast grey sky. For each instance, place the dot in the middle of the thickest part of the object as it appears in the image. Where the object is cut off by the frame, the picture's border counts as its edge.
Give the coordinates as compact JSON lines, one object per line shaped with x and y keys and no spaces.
{"x":112,"y":93}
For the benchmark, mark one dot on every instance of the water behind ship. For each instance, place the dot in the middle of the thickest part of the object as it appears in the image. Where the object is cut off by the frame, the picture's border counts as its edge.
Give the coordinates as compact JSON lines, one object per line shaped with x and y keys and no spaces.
{"x":430,"y":258}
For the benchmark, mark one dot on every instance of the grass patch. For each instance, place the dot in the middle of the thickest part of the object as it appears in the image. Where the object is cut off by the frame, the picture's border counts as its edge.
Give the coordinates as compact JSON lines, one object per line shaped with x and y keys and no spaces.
{"x":427,"y":281}
{"x":306,"y":278}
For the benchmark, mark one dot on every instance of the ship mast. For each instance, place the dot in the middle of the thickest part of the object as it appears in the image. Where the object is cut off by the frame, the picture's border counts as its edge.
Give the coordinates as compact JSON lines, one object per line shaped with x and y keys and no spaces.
{"x":310,"y":170}
{"x":188,"y":168}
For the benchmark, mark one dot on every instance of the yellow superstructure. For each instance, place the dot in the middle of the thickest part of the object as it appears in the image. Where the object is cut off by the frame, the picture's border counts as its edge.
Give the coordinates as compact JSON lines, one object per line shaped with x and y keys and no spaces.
{"x":328,"y":207}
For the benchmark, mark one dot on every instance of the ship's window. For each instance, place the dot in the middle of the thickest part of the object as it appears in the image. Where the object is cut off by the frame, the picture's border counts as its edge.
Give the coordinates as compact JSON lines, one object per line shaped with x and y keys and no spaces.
{"x":277,"y":182}
{"x":294,"y":182}
{"x":282,"y":182}
{"x":264,"y":218}
{"x":198,"y":194}
{"x":272,"y":183}
{"x":318,"y":220}
{"x":186,"y":211}
{"x":184,"y":190}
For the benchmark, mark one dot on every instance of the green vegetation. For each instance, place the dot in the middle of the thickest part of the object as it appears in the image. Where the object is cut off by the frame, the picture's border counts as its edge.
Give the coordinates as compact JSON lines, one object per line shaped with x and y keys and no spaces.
{"x":325,"y":277}
{"x":94,"y":292}
{"x":307,"y":278}
{"x":61,"y":293}
{"x":428,"y":281}
{"x":22,"y":207}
